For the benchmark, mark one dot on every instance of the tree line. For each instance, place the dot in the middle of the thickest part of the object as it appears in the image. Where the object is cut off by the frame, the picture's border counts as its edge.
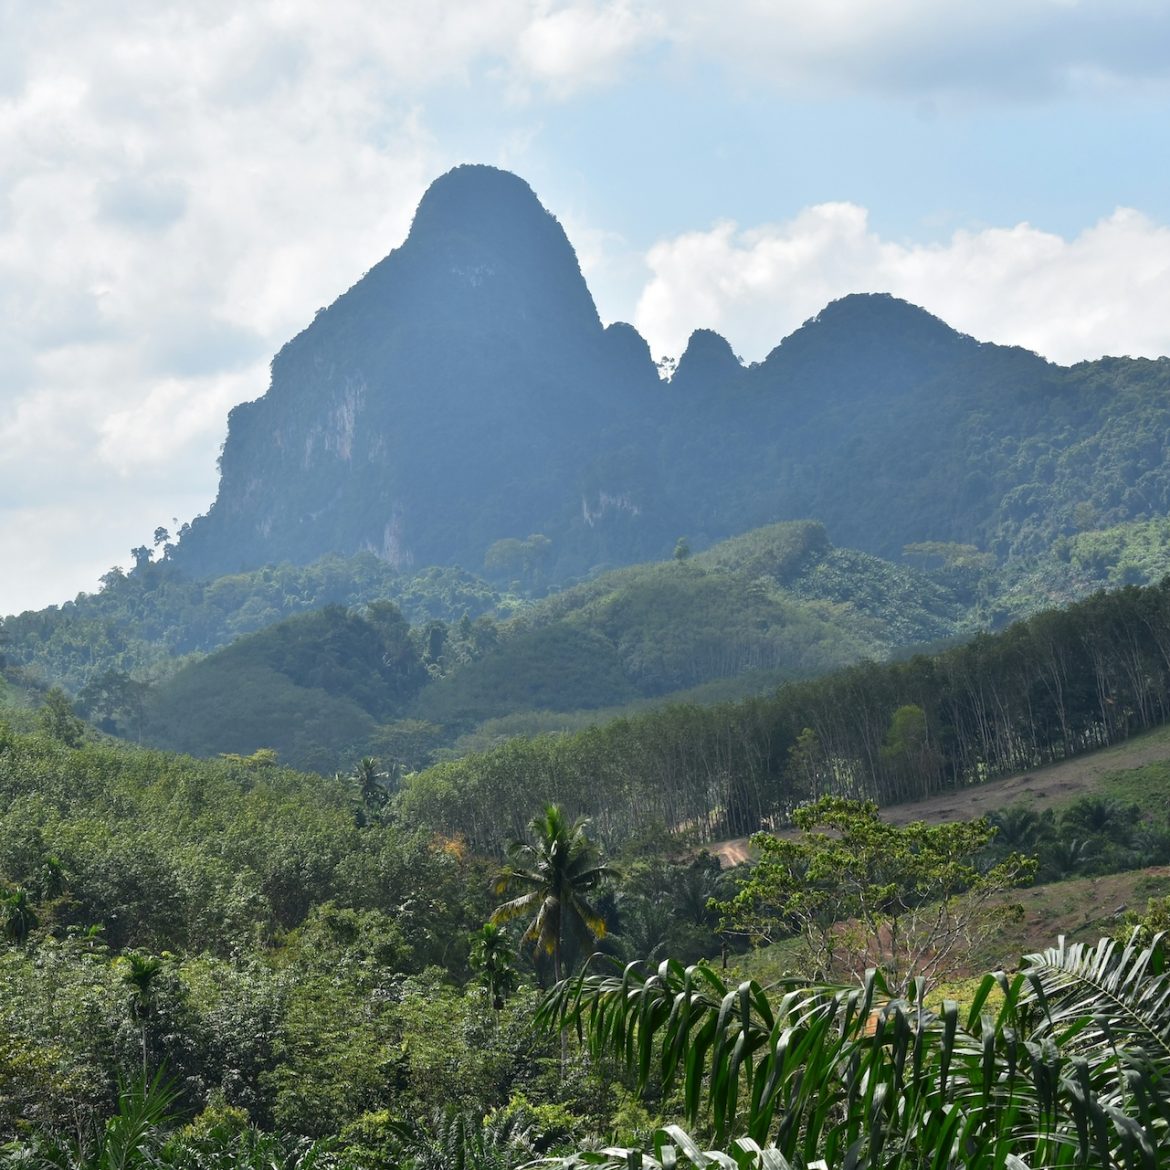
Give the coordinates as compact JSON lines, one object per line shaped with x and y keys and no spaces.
{"x":1057,"y":684}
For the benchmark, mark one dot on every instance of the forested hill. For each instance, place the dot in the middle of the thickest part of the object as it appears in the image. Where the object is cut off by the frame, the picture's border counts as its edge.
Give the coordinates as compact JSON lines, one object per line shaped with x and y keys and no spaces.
{"x":465,"y":392}
{"x":327,"y":687}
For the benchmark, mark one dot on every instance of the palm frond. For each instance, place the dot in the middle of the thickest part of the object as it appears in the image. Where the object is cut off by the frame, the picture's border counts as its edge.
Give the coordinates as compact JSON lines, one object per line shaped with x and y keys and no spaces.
{"x":1070,"y":1066}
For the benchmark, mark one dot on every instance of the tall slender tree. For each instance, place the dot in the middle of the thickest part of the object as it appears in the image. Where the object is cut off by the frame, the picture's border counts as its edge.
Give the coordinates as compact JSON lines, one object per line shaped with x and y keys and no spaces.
{"x":18,"y":919}
{"x":140,"y":974}
{"x":554,"y":872}
{"x":371,"y":783}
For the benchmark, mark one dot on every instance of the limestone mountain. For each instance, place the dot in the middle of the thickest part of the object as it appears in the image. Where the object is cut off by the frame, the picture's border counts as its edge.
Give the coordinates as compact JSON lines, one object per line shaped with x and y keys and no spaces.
{"x":465,"y":392}
{"x":462,"y":391}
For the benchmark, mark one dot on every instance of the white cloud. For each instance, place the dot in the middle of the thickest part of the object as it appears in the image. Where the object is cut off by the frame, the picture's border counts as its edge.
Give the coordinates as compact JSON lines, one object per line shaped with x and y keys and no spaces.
{"x":1105,"y":291}
{"x":925,"y":48}
{"x":179,"y":191}
{"x":579,"y":45}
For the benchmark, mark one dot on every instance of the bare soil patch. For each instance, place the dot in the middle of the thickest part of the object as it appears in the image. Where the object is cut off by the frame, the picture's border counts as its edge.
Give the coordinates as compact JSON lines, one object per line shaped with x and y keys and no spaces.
{"x":1082,"y":909}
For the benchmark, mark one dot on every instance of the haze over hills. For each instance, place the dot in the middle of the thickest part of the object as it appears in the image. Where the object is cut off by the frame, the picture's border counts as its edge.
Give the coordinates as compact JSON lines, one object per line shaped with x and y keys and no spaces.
{"x":463,"y":405}
{"x":464,"y":391}
{"x":747,"y":614}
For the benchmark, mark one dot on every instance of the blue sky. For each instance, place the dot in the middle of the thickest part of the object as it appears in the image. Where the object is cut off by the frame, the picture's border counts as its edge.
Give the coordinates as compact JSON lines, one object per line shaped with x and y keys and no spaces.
{"x":182,"y":185}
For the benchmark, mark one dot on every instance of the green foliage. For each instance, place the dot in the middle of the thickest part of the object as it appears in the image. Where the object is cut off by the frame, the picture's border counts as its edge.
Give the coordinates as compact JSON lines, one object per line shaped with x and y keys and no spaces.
{"x":257,"y":943}
{"x":560,"y":667}
{"x":672,"y":1146}
{"x":333,"y":1055}
{"x":1148,"y":923}
{"x":373,"y":786}
{"x":492,"y":957}
{"x":664,"y":906}
{"x":1069,"y":1068}
{"x":59,"y":721}
{"x":521,"y":563}
{"x":325,"y":687}
{"x":636,"y":633}
{"x":145,"y":624}
{"x":909,"y":900}
{"x":549,"y":1124}
{"x":131,"y":1139}
{"x":557,"y":870}
{"x":657,"y":629}
{"x":1056,"y":685}
{"x":310,"y":687}
{"x":458,"y":1140}
{"x":1090,"y":836}
{"x":169,"y":853}
{"x":18,"y":919}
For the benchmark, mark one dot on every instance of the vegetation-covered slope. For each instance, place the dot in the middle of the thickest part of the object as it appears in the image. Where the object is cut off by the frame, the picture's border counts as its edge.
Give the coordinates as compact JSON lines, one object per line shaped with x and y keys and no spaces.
{"x":297,"y":960}
{"x":309,"y":687}
{"x":146,"y":623}
{"x":464,"y":392}
{"x":1058,"y":684}
{"x":769,"y":606}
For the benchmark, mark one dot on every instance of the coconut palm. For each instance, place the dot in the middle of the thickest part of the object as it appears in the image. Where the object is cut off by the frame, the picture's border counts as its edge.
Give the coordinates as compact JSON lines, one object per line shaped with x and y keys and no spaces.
{"x":555,"y":871}
{"x":1071,"y":1068}
{"x":371,"y":782}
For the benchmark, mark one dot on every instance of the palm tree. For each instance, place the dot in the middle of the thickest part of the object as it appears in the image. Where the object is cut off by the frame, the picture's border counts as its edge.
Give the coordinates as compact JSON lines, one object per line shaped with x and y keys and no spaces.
{"x":1018,"y":829}
{"x":1100,"y":816}
{"x":458,"y":1140}
{"x":555,"y":871}
{"x":140,"y":973}
{"x":17,"y":917}
{"x":372,"y":785}
{"x":491,"y":956}
{"x":1070,"y":1067}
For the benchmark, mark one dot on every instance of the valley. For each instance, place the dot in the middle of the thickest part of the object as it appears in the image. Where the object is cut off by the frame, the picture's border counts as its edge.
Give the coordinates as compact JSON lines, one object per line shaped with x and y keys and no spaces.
{"x":492,"y":652}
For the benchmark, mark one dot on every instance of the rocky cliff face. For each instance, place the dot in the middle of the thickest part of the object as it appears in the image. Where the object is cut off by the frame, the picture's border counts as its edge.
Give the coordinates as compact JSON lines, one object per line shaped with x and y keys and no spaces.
{"x":464,"y":391}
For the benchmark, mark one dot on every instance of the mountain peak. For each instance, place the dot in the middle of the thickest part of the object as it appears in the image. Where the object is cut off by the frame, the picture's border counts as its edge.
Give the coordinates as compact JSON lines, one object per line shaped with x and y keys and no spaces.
{"x":477,"y":200}
{"x":707,"y":363}
{"x":867,"y":317}
{"x":483,"y":244}
{"x":478,"y":336}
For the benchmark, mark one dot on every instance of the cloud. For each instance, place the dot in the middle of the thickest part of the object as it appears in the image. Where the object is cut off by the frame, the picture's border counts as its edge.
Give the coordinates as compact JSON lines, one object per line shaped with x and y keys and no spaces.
{"x":142,"y":203}
{"x":580,"y":45}
{"x":998,"y":49}
{"x":181,"y":189}
{"x":1107,"y":290}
